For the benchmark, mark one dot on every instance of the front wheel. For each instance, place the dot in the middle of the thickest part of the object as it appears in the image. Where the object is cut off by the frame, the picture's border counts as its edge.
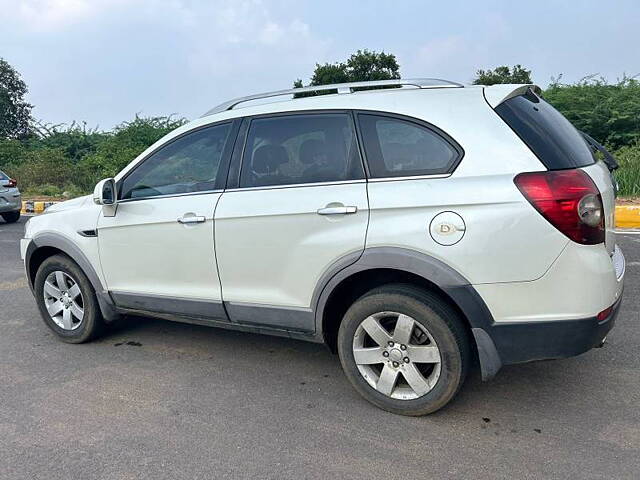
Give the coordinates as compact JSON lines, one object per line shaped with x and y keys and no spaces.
{"x":404,"y":349}
{"x":67,"y":301}
{"x":11,"y":217}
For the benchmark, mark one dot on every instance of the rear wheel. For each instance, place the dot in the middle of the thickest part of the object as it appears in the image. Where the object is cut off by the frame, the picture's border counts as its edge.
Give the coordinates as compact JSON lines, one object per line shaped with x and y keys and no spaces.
{"x":67,"y":301}
{"x":11,"y":217}
{"x":404,"y":349}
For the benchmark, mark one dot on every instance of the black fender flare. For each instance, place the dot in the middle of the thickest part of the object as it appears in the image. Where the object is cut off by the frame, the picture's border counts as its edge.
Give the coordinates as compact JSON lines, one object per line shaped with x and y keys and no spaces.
{"x":66,"y":246}
{"x":452,"y":283}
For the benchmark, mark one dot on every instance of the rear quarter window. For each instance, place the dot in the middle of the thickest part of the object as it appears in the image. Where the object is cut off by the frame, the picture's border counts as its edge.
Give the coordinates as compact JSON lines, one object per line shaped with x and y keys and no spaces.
{"x":551,"y":137}
{"x":397,"y":147}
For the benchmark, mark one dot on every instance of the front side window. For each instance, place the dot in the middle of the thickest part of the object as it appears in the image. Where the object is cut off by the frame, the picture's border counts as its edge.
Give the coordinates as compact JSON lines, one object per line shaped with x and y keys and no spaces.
{"x":188,"y":164}
{"x":296,"y":149}
{"x":399,"y":148}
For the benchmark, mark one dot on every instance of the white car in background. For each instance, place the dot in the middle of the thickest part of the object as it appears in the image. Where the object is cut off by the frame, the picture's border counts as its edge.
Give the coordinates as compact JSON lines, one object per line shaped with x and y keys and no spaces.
{"x":10,"y":199}
{"x":410,"y":229}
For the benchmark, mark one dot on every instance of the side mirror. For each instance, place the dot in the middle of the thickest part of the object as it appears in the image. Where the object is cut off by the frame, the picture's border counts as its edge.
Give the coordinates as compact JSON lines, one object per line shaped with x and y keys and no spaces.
{"x":105,"y":192}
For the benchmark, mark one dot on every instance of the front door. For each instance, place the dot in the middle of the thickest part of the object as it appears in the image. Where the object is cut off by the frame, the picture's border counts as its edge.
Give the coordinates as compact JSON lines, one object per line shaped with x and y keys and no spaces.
{"x":300,"y":207}
{"x":157,"y":251}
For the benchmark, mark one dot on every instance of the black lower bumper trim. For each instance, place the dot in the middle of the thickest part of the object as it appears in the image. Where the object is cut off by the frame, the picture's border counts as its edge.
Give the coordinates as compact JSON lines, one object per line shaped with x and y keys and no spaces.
{"x":530,"y":341}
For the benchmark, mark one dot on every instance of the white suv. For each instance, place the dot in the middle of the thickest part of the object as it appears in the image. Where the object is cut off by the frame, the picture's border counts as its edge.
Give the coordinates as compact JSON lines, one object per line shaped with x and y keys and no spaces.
{"x":412,"y":229}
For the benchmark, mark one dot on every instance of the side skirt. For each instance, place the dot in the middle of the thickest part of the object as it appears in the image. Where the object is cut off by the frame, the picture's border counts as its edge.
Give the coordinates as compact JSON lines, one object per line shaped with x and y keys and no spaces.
{"x":170,"y":305}
{"x":217,"y":323}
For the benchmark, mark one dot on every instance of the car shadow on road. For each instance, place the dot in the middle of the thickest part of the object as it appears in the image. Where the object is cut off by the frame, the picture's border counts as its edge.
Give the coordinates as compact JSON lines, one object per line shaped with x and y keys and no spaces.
{"x":535,"y":394}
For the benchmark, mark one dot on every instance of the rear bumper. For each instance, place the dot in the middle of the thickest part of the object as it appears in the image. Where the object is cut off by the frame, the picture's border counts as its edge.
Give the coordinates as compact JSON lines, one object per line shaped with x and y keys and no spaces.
{"x":539,"y":329}
{"x":529,"y":341}
{"x":10,"y":199}
{"x":10,"y":203}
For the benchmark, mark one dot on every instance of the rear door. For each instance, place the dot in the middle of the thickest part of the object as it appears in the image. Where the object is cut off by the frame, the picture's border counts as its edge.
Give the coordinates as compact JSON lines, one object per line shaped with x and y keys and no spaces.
{"x":297,"y":207}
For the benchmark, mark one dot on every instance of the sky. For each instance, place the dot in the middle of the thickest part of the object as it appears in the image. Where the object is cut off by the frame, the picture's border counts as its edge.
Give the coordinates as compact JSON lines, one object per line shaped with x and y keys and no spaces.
{"x":104,"y":61}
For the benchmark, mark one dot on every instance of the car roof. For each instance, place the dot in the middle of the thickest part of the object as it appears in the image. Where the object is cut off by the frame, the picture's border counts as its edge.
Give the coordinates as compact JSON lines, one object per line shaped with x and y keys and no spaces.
{"x":437,"y":104}
{"x":339,"y":88}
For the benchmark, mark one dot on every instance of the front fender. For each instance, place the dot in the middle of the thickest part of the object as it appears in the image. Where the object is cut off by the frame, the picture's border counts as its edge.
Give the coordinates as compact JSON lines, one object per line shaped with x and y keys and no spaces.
{"x":66,"y":246}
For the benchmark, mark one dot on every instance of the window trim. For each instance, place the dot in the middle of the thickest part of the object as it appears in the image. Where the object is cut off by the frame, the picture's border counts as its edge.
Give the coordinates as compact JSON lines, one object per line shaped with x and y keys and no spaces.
{"x":237,"y":163}
{"x":170,"y":195}
{"x":223,"y":168}
{"x":419,"y":122}
{"x":297,"y":185}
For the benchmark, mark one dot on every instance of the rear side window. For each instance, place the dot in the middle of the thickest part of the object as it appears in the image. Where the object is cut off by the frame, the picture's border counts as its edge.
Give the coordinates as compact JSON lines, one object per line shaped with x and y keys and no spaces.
{"x":295,"y":149}
{"x":553,"y":139}
{"x":399,"y":148}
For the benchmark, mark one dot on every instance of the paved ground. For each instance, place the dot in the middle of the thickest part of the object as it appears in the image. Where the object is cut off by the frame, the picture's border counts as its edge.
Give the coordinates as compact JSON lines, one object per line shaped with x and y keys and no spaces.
{"x":157,"y":399}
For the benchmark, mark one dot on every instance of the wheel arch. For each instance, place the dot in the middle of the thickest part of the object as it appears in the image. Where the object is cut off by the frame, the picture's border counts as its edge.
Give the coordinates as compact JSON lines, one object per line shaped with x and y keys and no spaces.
{"x":48,"y":244}
{"x":378,"y":266}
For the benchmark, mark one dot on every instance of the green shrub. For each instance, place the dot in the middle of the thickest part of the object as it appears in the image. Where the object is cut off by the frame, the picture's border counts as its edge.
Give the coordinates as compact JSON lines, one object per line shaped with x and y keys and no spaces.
{"x":76,"y":141}
{"x":47,"y":190}
{"x":74,"y":159}
{"x":118,"y":149}
{"x":628,"y":175}
{"x":45,"y":166}
{"x":610,"y":113}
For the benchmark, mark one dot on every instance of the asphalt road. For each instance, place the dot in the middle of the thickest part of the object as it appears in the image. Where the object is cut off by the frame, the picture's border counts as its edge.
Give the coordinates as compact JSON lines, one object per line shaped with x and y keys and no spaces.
{"x":157,"y":399}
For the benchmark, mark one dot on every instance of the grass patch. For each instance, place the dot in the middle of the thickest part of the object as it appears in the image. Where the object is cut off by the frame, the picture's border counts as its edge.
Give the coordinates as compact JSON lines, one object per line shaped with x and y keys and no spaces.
{"x":628,"y":175}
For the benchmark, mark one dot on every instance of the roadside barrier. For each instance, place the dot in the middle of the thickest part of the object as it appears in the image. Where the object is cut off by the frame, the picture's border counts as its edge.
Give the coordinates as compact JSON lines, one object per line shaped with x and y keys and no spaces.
{"x":34,"y":207}
{"x":628,"y":216}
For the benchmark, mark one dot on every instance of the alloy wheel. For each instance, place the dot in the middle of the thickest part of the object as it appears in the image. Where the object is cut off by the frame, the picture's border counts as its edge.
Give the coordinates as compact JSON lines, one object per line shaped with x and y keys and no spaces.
{"x":63,"y":300}
{"x":396,"y":355}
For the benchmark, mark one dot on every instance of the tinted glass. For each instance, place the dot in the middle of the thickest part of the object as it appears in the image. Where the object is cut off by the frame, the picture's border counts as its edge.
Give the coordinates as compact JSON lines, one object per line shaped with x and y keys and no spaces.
{"x":188,"y":164}
{"x":546,"y":131}
{"x":296,"y":149}
{"x":397,"y":147}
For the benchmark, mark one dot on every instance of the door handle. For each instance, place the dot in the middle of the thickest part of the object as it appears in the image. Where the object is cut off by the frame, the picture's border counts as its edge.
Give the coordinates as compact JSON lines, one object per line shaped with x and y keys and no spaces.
{"x":342,"y":210}
{"x":191,"y":219}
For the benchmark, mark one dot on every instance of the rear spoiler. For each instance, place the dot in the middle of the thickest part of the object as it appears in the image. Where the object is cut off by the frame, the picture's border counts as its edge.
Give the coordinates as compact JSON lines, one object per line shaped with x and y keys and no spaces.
{"x":496,"y":94}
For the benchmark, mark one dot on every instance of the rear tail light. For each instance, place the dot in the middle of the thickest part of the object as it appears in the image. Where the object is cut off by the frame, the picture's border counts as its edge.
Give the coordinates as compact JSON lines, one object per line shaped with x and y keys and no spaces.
{"x":569,"y":200}
{"x":12,"y":183}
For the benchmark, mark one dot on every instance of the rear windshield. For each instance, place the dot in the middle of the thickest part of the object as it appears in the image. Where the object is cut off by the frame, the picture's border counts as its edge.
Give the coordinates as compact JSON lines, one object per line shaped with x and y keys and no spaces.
{"x":546,"y":131}
{"x":3,"y":176}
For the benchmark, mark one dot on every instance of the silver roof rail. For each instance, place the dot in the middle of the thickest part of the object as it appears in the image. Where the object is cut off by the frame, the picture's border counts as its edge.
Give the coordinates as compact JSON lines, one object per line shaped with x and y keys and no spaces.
{"x":341,"y":88}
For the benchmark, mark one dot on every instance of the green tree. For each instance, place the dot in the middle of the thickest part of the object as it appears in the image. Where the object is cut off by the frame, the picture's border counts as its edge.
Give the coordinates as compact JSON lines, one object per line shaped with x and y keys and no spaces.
{"x":364,"y":65}
{"x":15,"y":112}
{"x":503,"y":74}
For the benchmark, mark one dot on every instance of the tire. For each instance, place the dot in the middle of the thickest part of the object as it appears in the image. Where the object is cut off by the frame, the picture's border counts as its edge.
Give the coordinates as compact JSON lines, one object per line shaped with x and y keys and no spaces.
{"x":61,"y":271}
{"x":11,"y":217}
{"x":435,"y":324}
